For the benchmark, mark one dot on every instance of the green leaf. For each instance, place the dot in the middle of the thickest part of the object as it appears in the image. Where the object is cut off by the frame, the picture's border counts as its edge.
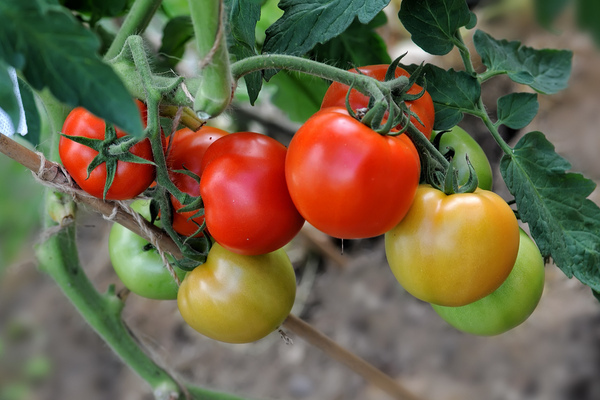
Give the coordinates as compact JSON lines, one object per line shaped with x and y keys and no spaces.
{"x":546,"y":11}
{"x":306,"y":23}
{"x":298,"y":95}
{"x":8,"y":101}
{"x":357,"y":46}
{"x":453,"y":93}
{"x":32,"y":115}
{"x":52,"y":49}
{"x":176,"y":34}
{"x":517,"y":110}
{"x":433,"y":23}
{"x":546,"y":71}
{"x":588,"y":14}
{"x":563,"y":221}
{"x":243,"y":16}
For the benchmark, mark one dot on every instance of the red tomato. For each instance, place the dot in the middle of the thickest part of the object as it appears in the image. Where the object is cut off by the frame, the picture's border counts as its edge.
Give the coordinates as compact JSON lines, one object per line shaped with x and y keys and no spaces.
{"x":247,"y":206}
{"x":186,"y":151}
{"x":347,"y":180}
{"x":130,"y":180}
{"x":422,"y":107}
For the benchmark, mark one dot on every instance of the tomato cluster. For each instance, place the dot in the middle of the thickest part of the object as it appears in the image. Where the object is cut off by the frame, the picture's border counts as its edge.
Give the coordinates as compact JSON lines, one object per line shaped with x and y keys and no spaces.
{"x":461,"y":252}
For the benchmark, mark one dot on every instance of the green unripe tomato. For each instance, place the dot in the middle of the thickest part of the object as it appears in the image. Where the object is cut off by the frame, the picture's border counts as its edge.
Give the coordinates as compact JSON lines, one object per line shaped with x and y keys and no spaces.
{"x":464,"y":144}
{"x":141,"y":271}
{"x":511,"y":304}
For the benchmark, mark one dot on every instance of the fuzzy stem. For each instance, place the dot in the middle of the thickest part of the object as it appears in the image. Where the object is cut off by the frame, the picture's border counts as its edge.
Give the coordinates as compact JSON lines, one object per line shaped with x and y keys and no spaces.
{"x":137,"y":20}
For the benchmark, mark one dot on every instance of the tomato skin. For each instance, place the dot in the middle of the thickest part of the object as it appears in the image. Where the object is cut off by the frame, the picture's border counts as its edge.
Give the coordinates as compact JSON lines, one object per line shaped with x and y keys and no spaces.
{"x":347,"y":180}
{"x":131,"y":179}
{"x":238,"y":299}
{"x":509,"y":305}
{"x":247,"y":205}
{"x":452,"y":250}
{"x":142,"y":272}
{"x":422,"y":107}
{"x":463,"y":145}
{"x":187,"y":148}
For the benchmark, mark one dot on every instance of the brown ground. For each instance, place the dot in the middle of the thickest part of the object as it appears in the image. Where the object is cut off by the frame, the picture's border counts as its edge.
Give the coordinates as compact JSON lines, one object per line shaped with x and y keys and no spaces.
{"x":555,"y":355}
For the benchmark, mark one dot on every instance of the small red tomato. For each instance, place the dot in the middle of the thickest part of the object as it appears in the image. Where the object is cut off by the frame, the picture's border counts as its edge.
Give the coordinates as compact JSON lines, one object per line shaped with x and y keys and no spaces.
{"x":130,"y":180}
{"x":247,"y":205}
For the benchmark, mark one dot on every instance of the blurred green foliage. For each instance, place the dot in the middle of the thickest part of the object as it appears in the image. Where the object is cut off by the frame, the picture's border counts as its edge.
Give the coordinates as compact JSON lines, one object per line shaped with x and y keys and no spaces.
{"x":20,"y":203}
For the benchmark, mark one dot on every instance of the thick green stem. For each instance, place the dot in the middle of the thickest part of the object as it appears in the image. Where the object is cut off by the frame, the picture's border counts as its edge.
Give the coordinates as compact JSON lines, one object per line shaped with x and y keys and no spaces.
{"x":216,"y":87}
{"x":137,"y":20}
{"x":465,"y":54}
{"x":58,"y":257}
{"x":362,"y":83}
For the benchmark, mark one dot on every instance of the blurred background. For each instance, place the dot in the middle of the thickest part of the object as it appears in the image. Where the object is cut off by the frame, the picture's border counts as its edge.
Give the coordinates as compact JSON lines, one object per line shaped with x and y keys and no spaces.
{"x":48,"y":352}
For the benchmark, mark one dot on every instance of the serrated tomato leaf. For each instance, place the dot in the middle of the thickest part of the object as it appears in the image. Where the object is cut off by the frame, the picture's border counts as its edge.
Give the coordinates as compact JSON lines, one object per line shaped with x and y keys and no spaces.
{"x":357,"y":46}
{"x":554,"y":203}
{"x":243,"y":16}
{"x":546,"y":71}
{"x":54,"y":50}
{"x":453,"y":93}
{"x":517,"y":110}
{"x":434,"y":23}
{"x":306,"y":23}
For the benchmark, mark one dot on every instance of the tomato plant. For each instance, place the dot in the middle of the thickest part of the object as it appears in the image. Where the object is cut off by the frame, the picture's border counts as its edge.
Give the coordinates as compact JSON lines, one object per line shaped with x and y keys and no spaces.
{"x":130,"y":178}
{"x":185,"y":151}
{"x":454,"y":249}
{"x":509,"y":305}
{"x":140,"y":268}
{"x":421,"y":107}
{"x":247,"y":205}
{"x":464,"y":146}
{"x":236,"y":298}
{"x":347,"y":180}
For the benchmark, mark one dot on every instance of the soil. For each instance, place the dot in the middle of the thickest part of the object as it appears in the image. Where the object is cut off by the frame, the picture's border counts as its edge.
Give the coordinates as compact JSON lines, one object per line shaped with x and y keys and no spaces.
{"x":554,"y":355}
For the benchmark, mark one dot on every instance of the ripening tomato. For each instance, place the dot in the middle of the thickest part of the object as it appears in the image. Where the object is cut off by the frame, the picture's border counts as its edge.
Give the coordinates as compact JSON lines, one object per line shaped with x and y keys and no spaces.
{"x":421,"y":107}
{"x":452,"y":250}
{"x":130,"y":180}
{"x":509,"y":305}
{"x":235,"y":298}
{"x":186,"y":150}
{"x":247,"y":205}
{"x":348,"y":180}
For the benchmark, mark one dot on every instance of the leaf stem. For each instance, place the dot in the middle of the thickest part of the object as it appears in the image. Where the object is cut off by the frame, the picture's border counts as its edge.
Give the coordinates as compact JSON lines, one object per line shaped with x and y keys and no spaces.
{"x":465,"y":54}
{"x":364,"y":84}
{"x":137,"y":20}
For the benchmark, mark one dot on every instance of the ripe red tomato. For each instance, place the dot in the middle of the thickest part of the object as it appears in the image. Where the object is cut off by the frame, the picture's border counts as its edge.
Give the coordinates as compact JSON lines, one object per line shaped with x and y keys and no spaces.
{"x":186,"y":151}
{"x":130,"y":180}
{"x":247,"y":206}
{"x":346,"y":179}
{"x":422,"y":107}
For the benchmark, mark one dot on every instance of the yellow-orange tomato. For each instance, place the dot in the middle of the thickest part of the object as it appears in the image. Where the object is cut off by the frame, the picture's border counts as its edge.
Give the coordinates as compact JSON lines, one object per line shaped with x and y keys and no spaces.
{"x":236,"y":298}
{"x":452,"y":250}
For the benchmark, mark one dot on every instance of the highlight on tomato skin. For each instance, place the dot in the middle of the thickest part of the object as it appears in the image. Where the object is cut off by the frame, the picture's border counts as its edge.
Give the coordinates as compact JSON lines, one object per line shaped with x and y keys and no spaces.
{"x":422,"y":107}
{"x":347,"y":180}
{"x":235,"y":298}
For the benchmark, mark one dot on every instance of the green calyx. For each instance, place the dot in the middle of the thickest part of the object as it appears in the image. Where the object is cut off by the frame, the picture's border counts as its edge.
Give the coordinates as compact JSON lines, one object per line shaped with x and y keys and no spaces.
{"x":111,"y":150}
{"x":448,"y":182}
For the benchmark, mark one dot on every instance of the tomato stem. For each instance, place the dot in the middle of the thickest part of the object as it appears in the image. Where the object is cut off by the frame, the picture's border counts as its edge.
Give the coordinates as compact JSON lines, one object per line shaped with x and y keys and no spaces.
{"x":364,"y":84}
{"x":137,"y":20}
